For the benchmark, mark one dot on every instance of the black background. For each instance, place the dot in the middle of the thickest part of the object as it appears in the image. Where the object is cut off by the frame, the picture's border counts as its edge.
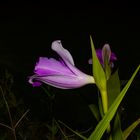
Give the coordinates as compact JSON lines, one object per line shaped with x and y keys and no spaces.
{"x":28,"y":28}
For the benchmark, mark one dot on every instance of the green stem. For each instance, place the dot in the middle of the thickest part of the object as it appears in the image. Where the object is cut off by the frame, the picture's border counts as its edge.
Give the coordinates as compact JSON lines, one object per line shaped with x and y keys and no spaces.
{"x":104,"y":100}
{"x":105,"y":108}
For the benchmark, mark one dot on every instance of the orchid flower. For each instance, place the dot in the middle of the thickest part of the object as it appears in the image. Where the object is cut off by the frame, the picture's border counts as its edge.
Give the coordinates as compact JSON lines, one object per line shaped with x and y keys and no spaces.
{"x":59,"y":73}
{"x":103,"y":53}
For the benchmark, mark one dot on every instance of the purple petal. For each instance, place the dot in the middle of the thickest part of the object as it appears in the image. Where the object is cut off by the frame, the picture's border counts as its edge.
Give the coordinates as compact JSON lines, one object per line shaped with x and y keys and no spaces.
{"x":99,"y":55}
{"x":113,"y":57}
{"x":106,"y":53}
{"x":63,"y":82}
{"x":65,"y":55}
{"x":36,"y":84}
{"x":90,"y":61}
{"x":61,"y":74}
{"x":51,"y":66}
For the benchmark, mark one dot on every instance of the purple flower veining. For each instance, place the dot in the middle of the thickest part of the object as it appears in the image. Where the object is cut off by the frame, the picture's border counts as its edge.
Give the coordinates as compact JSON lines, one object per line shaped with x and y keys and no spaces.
{"x":59,"y":73}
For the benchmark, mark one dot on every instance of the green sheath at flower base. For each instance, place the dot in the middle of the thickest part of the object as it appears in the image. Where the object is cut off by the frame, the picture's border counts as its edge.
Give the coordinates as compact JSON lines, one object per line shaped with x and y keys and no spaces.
{"x":99,"y":76}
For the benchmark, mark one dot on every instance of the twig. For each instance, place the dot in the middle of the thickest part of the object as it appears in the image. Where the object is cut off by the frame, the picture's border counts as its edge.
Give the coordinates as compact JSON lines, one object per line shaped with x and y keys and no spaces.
{"x":7,"y":106}
{"x":61,"y":131}
{"x":21,"y":119}
{"x":12,"y":127}
{"x":9,"y":114}
{"x":6,"y":126}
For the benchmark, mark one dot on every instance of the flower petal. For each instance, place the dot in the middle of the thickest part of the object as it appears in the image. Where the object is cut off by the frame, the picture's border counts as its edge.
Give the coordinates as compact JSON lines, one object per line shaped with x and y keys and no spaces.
{"x":61,"y":74}
{"x":113,"y":57}
{"x":99,"y":55}
{"x":90,"y":61}
{"x":62,"y":81}
{"x":65,"y":54}
{"x":106,"y":53}
{"x":51,"y":66}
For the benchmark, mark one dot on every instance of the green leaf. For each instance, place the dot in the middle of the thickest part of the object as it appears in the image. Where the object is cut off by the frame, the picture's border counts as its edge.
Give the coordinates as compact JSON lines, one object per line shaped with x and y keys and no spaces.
{"x":117,"y":131}
{"x":100,"y":77}
{"x":137,"y":133}
{"x":128,"y":130}
{"x":138,"y":138}
{"x":53,"y":128}
{"x":100,"y":105}
{"x":107,"y":70}
{"x":98,"y":71}
{"x":95,"y":111}
{"x":113,"y":87}
{"x":103,"y":124}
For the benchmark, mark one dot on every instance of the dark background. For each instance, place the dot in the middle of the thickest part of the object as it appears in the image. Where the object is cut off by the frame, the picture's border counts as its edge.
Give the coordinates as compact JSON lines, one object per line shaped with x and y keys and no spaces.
{"x":27,"y":30}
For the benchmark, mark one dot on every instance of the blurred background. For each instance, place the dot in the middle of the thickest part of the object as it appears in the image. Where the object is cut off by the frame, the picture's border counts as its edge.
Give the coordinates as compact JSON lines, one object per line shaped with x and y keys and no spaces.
{"x":27,"y":31}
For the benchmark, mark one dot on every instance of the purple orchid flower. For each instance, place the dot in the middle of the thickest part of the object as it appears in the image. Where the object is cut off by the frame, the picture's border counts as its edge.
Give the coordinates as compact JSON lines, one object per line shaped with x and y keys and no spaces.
{"x":61,"y":74}
{"x":103,"y":53}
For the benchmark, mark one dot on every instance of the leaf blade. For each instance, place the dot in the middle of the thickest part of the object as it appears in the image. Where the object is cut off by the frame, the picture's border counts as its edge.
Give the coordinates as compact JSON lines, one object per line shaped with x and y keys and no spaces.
{"x":128,"y":130}
{"x":103,"y":124}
